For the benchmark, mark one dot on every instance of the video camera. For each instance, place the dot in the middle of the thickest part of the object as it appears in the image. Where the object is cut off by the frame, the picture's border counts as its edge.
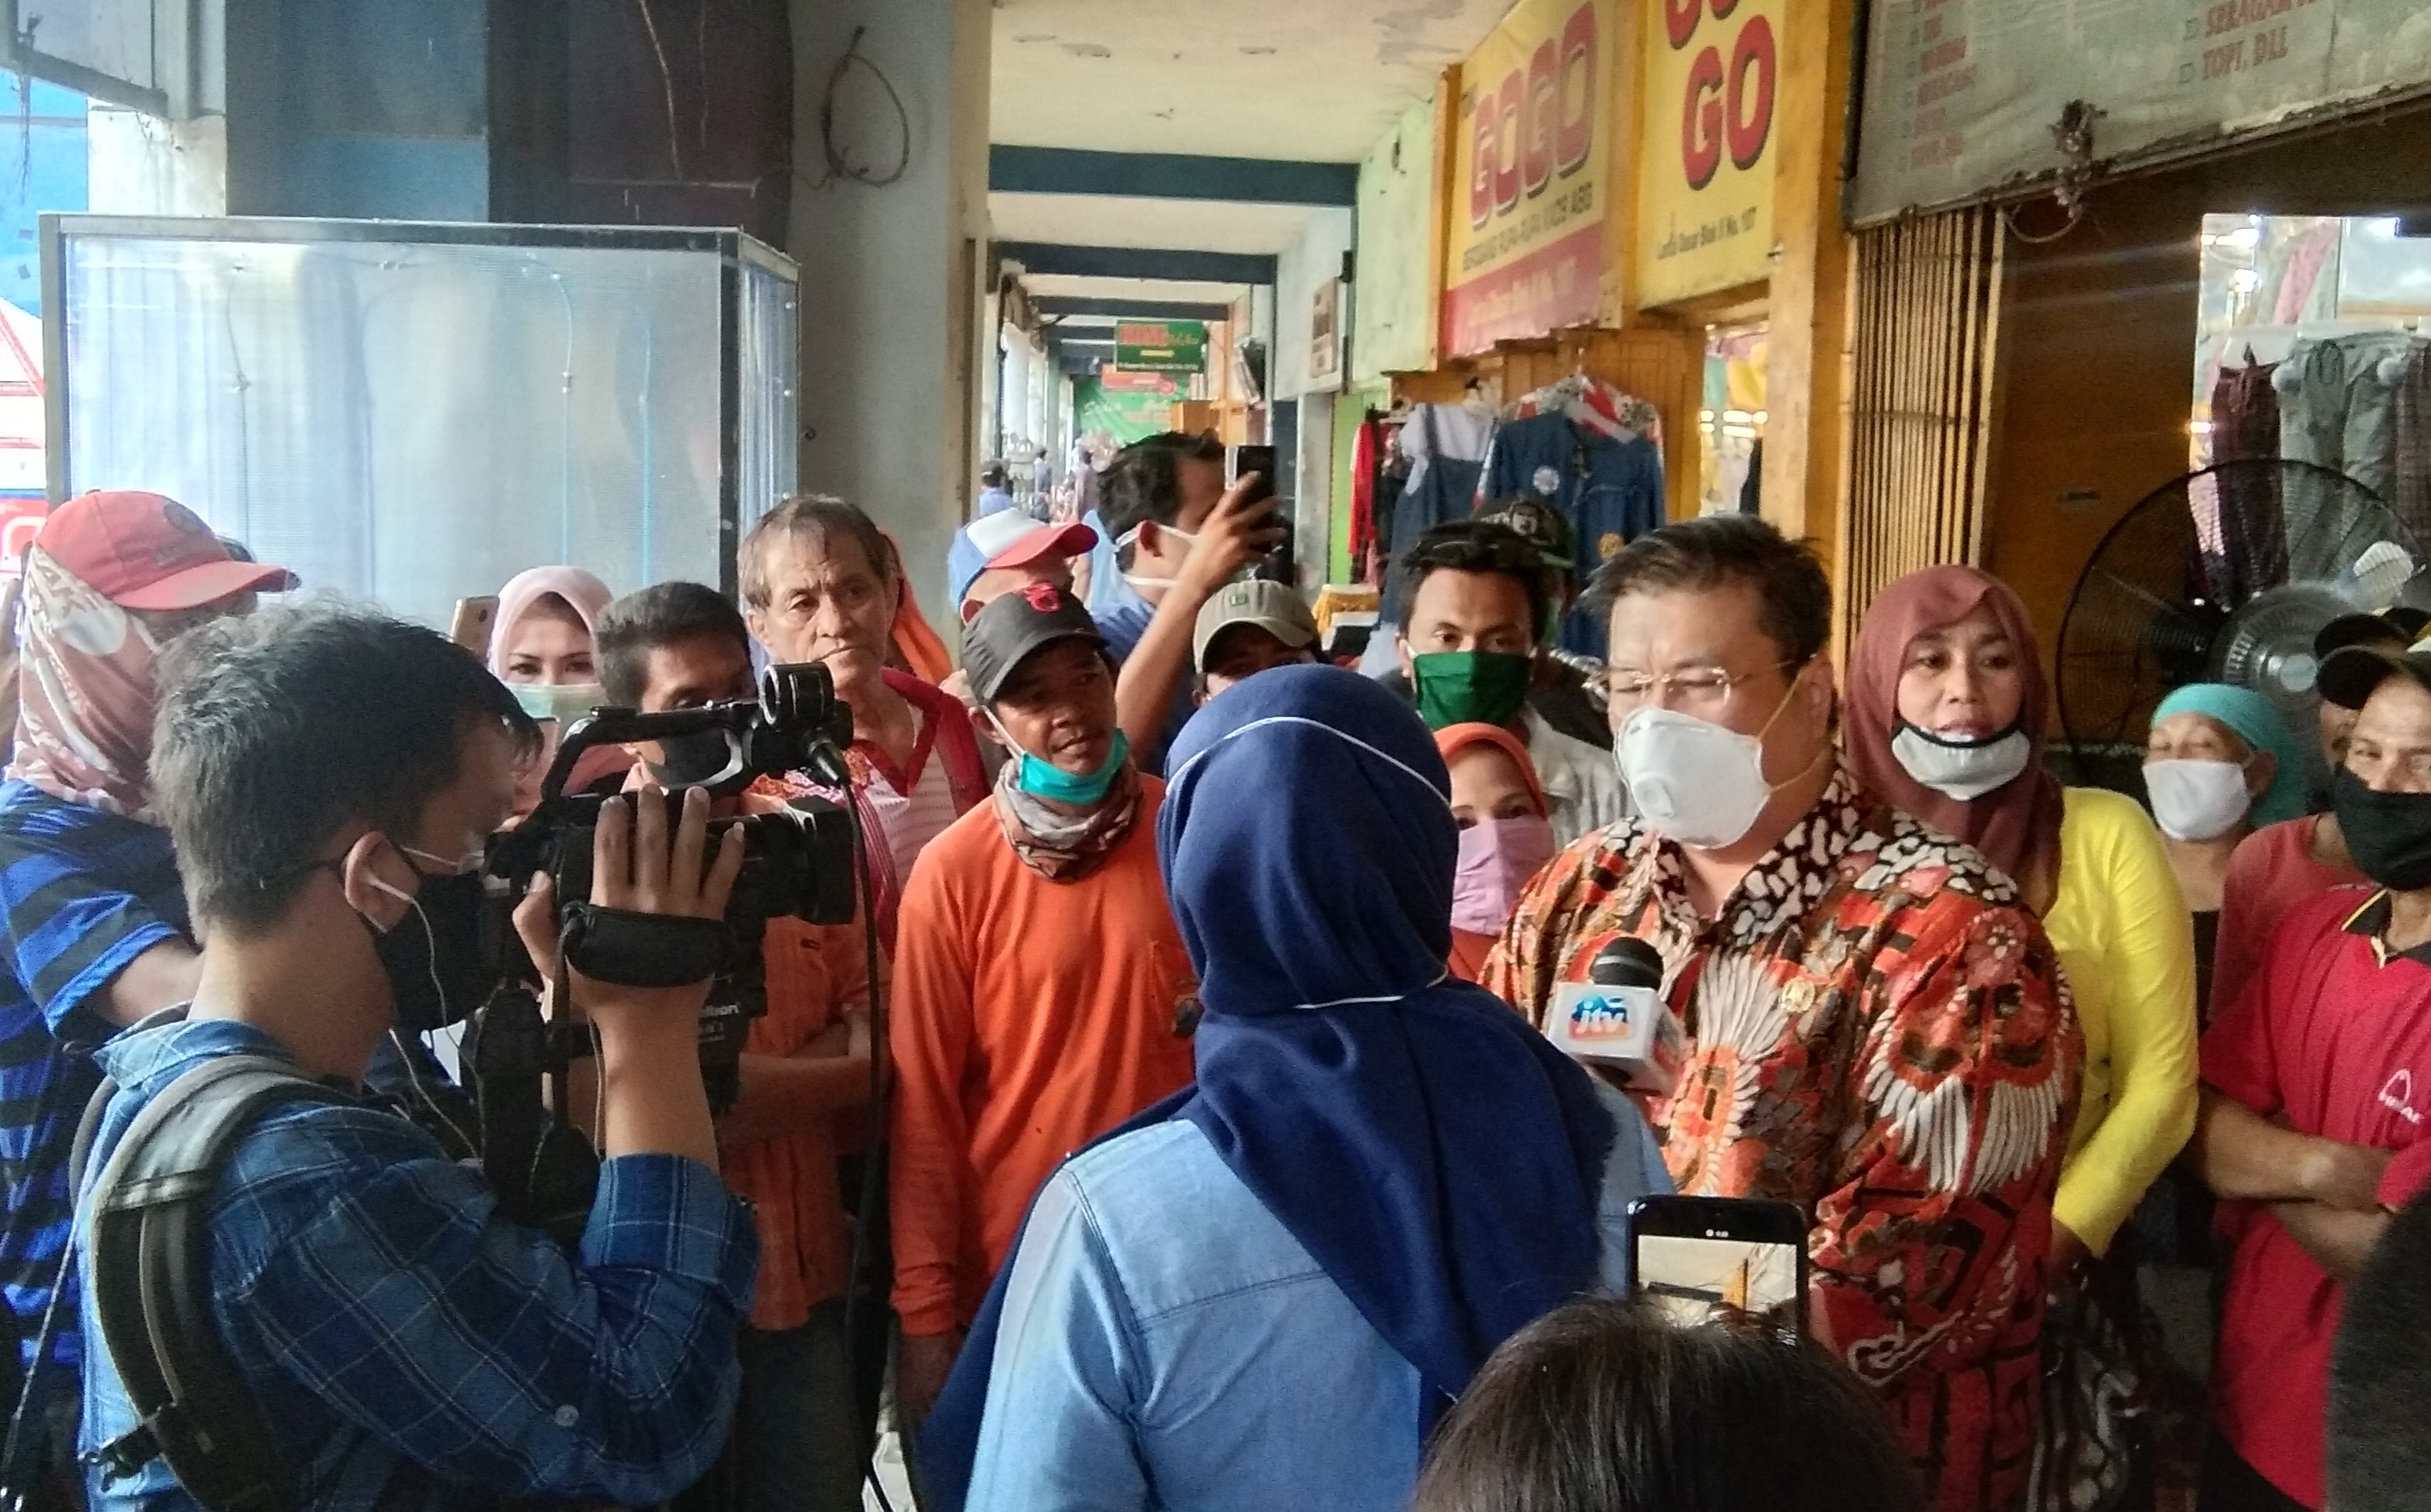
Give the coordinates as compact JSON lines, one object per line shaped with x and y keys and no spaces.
{"x":798,"y":861}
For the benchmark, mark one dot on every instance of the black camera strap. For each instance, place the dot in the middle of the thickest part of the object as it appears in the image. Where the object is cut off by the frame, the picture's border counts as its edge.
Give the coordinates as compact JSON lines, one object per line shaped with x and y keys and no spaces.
{"x":150,"y":1244}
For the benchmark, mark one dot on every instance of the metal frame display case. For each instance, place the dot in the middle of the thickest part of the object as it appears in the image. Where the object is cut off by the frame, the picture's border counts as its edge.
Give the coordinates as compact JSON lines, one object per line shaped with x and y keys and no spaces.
{"x":411,"y":413}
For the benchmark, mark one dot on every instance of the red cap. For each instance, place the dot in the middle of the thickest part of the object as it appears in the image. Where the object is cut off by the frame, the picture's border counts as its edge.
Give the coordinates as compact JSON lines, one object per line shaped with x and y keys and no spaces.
{"x":142,"y":550}
{"x":1036,"y":542}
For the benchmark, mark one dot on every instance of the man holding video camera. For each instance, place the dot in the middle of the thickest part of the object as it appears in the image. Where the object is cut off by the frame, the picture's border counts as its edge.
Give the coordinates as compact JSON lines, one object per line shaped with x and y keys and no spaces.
{"x":683,"y":645}
{"x":330,"y":779}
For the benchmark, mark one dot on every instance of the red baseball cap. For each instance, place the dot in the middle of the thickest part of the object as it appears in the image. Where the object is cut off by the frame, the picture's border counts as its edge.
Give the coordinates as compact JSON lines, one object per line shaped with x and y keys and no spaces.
{"x":142,"y":550}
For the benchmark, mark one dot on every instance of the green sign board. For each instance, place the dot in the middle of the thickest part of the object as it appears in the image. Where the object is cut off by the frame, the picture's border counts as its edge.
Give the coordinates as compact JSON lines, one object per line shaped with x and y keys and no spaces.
{"x":1161,"y":346}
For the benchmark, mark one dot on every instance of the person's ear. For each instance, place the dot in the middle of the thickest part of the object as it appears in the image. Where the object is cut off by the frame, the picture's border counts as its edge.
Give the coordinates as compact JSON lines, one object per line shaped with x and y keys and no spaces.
{"x":2261,"y":773}
{"x":1401,"y":655}
{"x":755,"y":620}
{"x":982,"y":728}
{"x":1821,"y":694}
{"x":373,"y":856}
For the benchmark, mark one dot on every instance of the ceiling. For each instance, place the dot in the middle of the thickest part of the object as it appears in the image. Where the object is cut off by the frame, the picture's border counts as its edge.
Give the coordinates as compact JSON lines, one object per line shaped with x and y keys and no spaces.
{"x":1101,"y":221}
{"x":1047,"y":286}
{"x":1312,"y":81}
{"x":1301,"y":80}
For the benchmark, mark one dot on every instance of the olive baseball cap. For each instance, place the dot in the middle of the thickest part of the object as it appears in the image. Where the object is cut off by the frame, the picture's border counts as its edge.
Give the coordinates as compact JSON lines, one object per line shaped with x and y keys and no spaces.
{"x":1275,"y":607}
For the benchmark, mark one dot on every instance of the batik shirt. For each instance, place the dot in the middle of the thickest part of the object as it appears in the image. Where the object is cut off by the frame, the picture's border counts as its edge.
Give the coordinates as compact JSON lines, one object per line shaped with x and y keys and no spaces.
{"x":1879,"y":1032}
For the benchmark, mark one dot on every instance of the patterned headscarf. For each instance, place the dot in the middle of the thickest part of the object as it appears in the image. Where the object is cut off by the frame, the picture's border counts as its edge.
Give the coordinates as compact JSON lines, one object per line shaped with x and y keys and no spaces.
{"x":87,"y":688}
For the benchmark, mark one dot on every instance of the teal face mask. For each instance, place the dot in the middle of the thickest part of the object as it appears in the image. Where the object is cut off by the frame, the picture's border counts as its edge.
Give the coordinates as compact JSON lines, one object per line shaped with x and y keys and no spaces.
{"x":562,"y":701}
{"x":1041,"y":778}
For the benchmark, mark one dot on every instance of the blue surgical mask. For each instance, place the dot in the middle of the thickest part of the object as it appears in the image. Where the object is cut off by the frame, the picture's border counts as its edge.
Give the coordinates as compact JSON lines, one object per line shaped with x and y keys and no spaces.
{"x":1041,"y":778}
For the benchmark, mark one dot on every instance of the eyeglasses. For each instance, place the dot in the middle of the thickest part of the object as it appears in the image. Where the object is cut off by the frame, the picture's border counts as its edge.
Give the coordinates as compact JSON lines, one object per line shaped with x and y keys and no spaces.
{"x":1695,"y":690}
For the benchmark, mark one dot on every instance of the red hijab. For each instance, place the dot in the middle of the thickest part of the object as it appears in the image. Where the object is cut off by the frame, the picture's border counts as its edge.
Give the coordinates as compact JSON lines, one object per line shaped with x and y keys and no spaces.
{"x":2014,"y":825}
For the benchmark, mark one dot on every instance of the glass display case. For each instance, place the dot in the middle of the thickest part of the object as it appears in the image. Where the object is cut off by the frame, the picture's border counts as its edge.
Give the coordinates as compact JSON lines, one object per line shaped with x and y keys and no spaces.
{"x":413,"y":413}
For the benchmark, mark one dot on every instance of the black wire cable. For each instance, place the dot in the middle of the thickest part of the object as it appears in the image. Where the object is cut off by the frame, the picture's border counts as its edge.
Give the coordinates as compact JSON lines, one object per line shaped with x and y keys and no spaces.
{"x":838,"y":166}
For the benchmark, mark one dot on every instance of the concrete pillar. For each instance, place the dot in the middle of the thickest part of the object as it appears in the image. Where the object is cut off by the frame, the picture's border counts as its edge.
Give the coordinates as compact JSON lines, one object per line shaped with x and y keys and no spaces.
{"x":894,"y":277}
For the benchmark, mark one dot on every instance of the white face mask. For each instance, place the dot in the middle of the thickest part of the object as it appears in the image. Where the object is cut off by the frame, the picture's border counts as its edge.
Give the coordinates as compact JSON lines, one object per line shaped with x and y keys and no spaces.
{"x":2197,"y":800}
{"x":1964,"y":770}
{"x":1699,"y":783}
{"x":1130,"y":538}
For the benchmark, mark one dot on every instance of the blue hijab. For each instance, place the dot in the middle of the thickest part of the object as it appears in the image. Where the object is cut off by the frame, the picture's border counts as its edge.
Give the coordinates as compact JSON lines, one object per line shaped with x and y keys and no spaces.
{"x":1437,"y":1156}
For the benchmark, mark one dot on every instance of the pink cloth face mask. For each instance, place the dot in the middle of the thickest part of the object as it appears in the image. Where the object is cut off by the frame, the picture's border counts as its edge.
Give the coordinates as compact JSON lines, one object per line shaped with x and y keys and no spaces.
{"x":1497,"y":858}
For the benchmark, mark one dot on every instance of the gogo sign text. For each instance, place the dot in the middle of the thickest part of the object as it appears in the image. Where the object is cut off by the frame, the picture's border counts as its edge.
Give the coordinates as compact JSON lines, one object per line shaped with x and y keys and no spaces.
{"x":1729,"y":104}
{"x":1540,"y":125}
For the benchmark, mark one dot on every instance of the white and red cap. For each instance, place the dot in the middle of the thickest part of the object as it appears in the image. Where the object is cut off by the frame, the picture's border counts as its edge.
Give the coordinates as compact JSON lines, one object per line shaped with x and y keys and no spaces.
{"x":1011,"y":539}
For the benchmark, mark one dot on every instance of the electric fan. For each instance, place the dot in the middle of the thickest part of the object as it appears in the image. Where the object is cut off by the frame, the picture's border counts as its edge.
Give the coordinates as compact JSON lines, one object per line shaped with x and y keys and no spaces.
{"x":2224,"y":575}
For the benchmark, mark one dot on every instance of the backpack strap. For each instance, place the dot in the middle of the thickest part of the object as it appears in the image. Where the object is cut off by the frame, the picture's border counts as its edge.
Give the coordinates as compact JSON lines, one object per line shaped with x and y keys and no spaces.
{"x":151,"y":1285}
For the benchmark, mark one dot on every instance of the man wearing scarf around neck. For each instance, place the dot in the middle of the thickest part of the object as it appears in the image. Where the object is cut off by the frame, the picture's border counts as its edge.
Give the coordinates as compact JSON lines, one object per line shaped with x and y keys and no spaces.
{"x":1042,"y":994}
{"x":1265,"y":1292}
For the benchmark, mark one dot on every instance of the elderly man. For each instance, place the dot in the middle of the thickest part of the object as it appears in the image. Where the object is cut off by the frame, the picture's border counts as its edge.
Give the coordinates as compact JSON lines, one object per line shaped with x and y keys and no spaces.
{"x":2315,"y":1085}
{"x":1876,"y":1030}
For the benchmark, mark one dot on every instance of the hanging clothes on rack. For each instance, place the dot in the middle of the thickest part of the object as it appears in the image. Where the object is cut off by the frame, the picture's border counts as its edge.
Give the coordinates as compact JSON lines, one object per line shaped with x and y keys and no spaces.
{"x":2410,"y":415}
{"x":2253,"y":524}
{"x":1378,"y":475}
{"x":1447,"y":445}
{"x":2336,"y":407}
{"x":1590,"y":451}
{"x":1598,"y":405}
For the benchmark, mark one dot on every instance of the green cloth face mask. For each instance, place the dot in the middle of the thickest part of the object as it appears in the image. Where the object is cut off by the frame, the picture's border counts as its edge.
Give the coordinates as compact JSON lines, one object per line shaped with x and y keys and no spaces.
{"x":1470,"y":686}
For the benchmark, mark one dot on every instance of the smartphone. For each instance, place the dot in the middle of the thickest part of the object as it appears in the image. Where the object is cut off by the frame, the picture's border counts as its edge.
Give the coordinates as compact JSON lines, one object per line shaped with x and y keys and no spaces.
{"x":1693,"y":1257}
{"x":1239,"y":461}
{"x":475,"y":618}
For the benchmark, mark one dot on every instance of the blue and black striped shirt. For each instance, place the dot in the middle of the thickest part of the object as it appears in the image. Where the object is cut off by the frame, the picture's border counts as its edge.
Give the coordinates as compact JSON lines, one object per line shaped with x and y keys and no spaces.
{"x":82,"y":893}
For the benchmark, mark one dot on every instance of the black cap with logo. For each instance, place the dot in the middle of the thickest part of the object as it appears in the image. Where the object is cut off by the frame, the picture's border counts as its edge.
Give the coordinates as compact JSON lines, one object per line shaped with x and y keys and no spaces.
{"x":1539,"y":524}
{"x":1013,"y":627}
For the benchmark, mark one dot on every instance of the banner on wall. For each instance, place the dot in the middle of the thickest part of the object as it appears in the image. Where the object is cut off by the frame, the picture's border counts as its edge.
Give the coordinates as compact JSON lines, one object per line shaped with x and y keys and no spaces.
{"x":1961,"y":96}
{"x":1529,"y":194}
{"x":1704,"y":176}
{"x":1161,"y":346}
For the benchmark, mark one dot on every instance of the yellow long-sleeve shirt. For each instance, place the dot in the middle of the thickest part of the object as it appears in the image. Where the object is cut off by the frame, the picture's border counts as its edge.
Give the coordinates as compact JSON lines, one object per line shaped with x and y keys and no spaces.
{"x":2126,"y":942}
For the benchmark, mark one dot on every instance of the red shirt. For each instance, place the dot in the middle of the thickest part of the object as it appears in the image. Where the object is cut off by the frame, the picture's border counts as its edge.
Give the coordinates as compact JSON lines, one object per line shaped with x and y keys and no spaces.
{"x":2339,"y":1042}
{"x":2272,"y":870}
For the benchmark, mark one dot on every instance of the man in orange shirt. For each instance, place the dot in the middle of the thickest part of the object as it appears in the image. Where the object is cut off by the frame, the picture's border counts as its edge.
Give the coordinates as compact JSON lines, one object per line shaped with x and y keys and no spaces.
{"x":1042,"y":994}
{"x":796,"y":1445}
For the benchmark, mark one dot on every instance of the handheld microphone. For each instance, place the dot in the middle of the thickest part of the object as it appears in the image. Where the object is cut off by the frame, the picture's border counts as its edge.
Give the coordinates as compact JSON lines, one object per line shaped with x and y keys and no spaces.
{"x":1618,"y":1017}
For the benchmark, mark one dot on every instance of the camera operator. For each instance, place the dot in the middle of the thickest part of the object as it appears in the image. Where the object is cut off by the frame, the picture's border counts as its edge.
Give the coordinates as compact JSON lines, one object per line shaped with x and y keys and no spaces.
{"x":680,"y":645}
{"x":329,"y":778}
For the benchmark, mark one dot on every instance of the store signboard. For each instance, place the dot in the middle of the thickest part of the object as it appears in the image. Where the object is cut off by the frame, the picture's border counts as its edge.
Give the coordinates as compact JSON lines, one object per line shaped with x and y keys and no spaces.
{"x":1117,"y":381}
{"x":1161,"y":346}
{"x":1704,"y":173}
{"x":1529,"y":194}
{"x":1961,"y":96}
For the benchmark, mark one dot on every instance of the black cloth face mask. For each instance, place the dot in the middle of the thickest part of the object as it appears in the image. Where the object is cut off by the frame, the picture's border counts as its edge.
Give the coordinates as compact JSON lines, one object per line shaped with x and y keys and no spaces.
{"x":2389,"y":833}
{"x":438,"y":972}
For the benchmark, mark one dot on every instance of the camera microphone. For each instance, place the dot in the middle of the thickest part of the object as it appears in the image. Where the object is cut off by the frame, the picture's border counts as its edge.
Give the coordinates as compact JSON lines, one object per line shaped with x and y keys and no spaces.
{"x":1618,"y":1017}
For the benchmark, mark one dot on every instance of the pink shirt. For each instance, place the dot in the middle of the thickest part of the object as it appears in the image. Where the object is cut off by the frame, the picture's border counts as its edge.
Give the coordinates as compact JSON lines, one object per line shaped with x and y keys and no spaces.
{"x":2338,"y":1042}
{"x":2272,"y":873}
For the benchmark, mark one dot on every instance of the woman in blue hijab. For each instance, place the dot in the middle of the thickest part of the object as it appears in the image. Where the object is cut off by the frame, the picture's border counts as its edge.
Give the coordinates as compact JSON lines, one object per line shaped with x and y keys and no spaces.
{"x":1263,"y":1293}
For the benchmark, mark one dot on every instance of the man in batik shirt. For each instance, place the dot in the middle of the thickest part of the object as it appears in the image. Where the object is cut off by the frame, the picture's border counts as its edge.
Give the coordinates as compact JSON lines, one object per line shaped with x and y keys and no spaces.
{"x":1877,"y":1029}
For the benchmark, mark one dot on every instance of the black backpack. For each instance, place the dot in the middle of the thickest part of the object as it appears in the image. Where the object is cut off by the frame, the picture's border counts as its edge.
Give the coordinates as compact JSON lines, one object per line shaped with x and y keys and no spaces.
{"x":149,"y":1239}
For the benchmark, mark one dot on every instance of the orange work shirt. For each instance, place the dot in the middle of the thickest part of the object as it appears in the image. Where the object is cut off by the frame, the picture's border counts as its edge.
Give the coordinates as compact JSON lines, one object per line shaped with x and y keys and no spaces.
{"x":1029,"y":1018}
{"x":817,"y":973}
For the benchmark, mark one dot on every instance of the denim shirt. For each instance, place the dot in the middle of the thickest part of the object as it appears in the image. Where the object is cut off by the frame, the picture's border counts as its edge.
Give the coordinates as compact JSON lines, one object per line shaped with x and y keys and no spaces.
{"x":1167,"y":1344}
{"x":414,"y":1352}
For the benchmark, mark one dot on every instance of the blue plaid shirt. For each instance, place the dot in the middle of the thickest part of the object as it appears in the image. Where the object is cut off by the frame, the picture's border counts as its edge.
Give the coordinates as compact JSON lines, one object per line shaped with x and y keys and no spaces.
{"x":412,"y":1349}
{"x":82,"y":893}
